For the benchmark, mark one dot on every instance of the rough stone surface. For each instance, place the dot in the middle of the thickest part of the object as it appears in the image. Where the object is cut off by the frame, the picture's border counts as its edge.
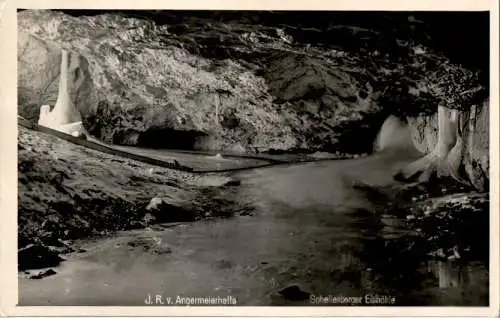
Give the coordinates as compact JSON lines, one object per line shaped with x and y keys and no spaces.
{"x":167,"y":210}
{"x":35,"y":256}
{"x":294,"y":293}
{"x":152,"y":244}
{"x":43,"y":274}
{"x":159,"y":84}
{"x":68,"y":192}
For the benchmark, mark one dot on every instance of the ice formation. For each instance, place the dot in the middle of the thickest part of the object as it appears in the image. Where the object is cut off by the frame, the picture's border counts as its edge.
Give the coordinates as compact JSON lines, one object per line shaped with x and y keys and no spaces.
{"x":64,"y":117}
{"x":393,"y":134}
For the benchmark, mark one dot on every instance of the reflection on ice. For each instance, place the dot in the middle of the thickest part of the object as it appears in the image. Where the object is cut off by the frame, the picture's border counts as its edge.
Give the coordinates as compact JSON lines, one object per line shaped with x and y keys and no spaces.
{"x":449,"y":274}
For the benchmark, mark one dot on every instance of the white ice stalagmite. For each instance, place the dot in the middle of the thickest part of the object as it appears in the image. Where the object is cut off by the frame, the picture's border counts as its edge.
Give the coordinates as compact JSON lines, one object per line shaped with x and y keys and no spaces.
{"x":64,"y":111}
{"x":64,"y":117}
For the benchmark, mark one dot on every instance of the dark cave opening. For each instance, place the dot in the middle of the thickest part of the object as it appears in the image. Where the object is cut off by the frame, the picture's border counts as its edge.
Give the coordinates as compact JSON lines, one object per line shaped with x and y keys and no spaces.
{"x":169,"y":138}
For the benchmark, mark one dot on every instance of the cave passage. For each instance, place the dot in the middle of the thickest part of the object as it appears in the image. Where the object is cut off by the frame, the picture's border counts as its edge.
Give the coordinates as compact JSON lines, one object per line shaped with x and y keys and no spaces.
{"x":169,"y":138}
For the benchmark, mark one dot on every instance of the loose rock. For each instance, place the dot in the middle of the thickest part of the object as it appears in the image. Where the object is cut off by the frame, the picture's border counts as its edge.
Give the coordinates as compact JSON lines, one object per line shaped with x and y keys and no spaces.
{"x":294,"y":292}
{"x":35,"y":256}
{"x":43,"y":274}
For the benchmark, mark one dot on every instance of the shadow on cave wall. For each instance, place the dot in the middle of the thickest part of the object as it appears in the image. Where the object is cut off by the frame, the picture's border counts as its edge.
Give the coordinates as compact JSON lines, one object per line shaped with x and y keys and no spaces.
{"x":357,"y":137}
{"x":160,"y":138}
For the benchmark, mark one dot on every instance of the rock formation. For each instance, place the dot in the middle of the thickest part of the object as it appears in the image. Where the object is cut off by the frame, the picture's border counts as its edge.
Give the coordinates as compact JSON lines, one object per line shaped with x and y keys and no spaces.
{"x":456,"y":144}
{"x":157,"y":83}
{"x":64,"y":117}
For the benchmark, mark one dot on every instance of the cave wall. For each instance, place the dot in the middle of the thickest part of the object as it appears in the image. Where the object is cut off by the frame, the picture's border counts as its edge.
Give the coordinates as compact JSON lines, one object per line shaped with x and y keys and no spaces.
{"x":424,"y":132}
{"x":39,"y":67}
{"x":138,"y":79}
{"x":148,"y":81}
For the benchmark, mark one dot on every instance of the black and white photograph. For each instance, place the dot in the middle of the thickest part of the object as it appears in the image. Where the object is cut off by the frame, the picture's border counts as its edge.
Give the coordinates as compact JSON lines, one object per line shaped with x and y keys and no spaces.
{"x":253,"y":158}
